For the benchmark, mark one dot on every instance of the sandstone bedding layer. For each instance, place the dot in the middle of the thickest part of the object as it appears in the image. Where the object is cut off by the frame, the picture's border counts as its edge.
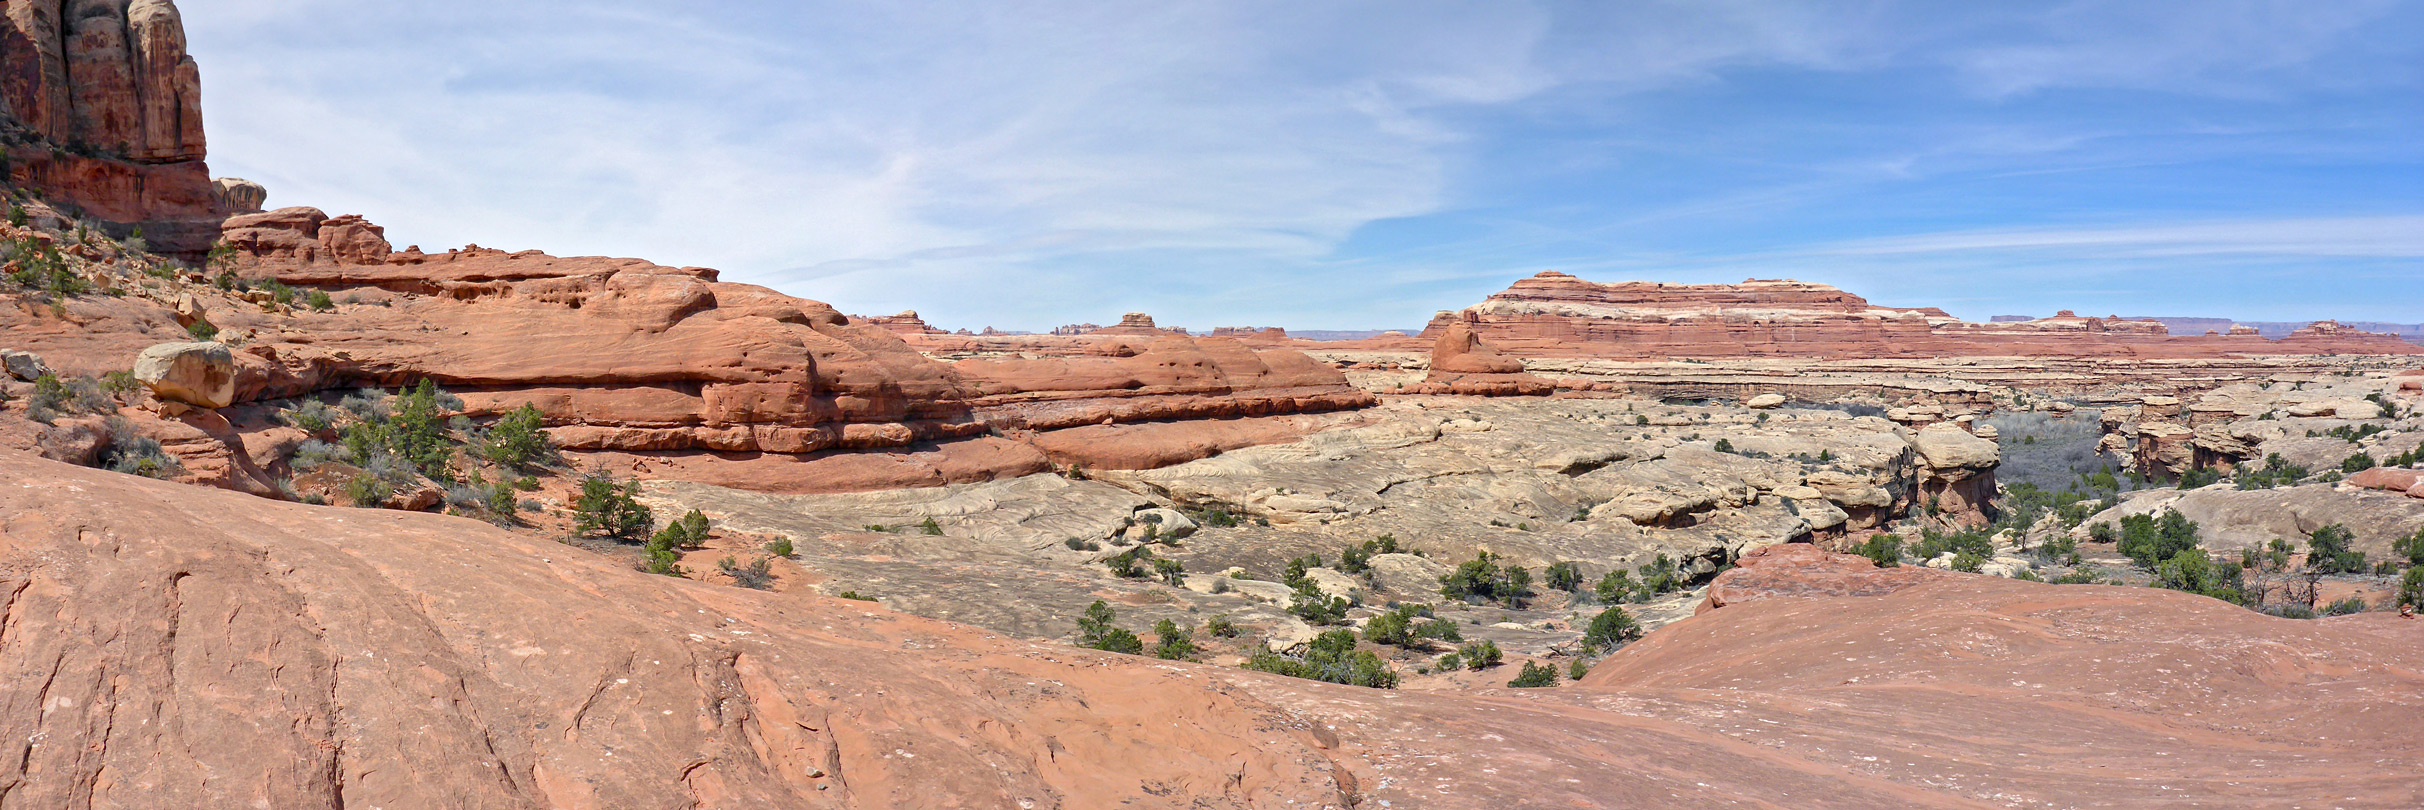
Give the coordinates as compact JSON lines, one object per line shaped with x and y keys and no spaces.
{"x":1558,"y":315}
{"x":178,"y":646}
{"x":101,"y":108}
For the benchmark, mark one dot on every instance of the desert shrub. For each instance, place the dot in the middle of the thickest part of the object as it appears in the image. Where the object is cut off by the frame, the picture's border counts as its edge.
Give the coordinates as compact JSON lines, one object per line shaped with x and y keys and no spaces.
{"x":688,"y":532}
{"x":2149,"y":541}
{"x":1316,"y":608}
{"x":1724,"y":446}
{"x":2276,"y":472}
{"x":1330,"y":657}
{"x":661,"y":558}
{"x":1411,"y":626}
{"x":1295,"y":573}
{"x":1564,"y":576}
{"x":319,"y":301}
{"x":757,"y":575}
{"x":2410,"y":549}
{"x":1577,"y":669}
{"x":1131,"y":564}
{"x":781,"y":547}
{"x":310,"y":416}
{"x":2199,"y":477}
{"x":1883,"y":549}
{"x":2060,"y":547}
{"x":1610,"y":629}
{"x":931,"y":528}
{"x":1220,"y":627}
{"x":1616,"y":586}
{"x":1172,"y":642}
{"x":607,"y":509}
{"x":1095,"y":631}
{"x":2411,"y":587}
{"x":854,"y":595}
{"x":2327,"y":551}
{"x":312,"y":453}
{"x":415,"y":430}
{"x":2345,"y":607}
{"x":133,"y":454}
{"x":2194,"y":571}
{"x":1480,"y":655}
{"x":2078,"y":577}
{"x":202,"y":329}
{"x":368,"y":491}
{"x":1213,"y":518}
{"x":1658,"y":576}
{"x":1535,"y":675}
{"x":1171,"y":571}
{"x":1483,"y":578}
{"x":1967,"y":562}
{"x":2357,"y":463}
{"x":516,"y":440}
{"x":366,"y":404}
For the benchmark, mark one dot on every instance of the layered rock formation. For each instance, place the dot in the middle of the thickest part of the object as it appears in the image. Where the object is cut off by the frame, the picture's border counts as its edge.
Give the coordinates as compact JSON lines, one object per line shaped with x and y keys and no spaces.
{"x":630,"y":359}
{"x":1557,"y":315}
{"x":103,"y":111}
{"x":1461,"y":363}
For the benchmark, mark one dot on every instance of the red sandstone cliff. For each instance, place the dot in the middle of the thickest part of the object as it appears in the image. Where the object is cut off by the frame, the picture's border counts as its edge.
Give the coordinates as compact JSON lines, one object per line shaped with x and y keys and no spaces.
{"x":101,"y":109}
{"x":1557,"y":315}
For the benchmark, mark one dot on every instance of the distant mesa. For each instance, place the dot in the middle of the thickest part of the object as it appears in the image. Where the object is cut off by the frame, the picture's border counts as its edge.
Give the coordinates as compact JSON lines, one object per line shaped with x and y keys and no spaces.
{"x":1558,"y":315}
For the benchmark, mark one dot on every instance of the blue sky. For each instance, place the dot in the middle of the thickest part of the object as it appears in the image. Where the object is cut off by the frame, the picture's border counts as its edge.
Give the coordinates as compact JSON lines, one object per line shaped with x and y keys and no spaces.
{"x":1361,"y":165}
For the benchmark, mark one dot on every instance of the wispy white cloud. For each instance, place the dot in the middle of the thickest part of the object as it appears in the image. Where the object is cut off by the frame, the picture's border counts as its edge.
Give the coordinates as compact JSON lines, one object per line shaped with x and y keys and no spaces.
{"x":2374,"y":237}
{"x":1031,"y":163}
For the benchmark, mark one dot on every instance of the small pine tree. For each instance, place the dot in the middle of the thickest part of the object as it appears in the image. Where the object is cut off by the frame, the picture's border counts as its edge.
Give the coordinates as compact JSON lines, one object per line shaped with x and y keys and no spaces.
{"x":1611,"y":628}
{"x":1172,"y":642}
{"x":607,"y":509}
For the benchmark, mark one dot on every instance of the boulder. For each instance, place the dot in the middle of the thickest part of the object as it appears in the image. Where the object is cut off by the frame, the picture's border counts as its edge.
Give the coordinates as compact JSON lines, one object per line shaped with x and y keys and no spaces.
{"x":1167,"y":523}
{"x":1765,"y":401}
{"x":237,"y":195}
{"x":25,"y":366}
{"x":1946,"y":446}
{"x":1336,"y":583}
{"x":198,"y":374}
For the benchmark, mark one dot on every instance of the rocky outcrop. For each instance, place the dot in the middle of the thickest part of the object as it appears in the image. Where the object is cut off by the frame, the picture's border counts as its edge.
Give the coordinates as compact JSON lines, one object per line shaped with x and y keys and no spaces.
{"x":1558,"y":315}
{"x":1957,"y":479}
{"x":237,"y":195}
{"x":104,"y":112}
{"x":906,"y":323}
{"x":198,"y":374}
{"x":1462,"y":363}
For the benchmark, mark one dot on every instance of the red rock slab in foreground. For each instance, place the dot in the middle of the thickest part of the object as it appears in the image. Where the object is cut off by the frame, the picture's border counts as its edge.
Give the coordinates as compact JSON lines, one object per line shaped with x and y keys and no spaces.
{"x":172,"y":646}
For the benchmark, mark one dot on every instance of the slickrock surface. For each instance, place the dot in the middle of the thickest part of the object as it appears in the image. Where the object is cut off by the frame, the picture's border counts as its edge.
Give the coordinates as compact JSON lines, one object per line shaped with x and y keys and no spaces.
{"x":171,"y":646}
{"x":103,"y":109}
{"x":1557,"y":315}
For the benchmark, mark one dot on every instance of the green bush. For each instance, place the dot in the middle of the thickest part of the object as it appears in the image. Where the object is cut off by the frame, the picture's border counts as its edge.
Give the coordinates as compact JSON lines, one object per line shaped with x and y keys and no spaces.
{"x":1535,"y":675}
{"x":1480,"y":655}
{"x":781,"y":547}
{"x":1317,"y":608}
{"x":1576,"y":670}
{"x":2276,"y":472}
{"x":319,"y":301}
{"x":2345,"y":607}
{"x":1171,"y":571}
{"x":1095,"y":631}
{"x":1967,"y":562}
{"x":689,"y":532}
{"x":2411,"y":587}
{"x":2356,"y":463}
{"x":367,"y":491}
{"x":2327,"y":551}
{"x":1482,"y":577}
{"x":1330,"y":657}
{"x":1220,"y":627}
{"x":1564,"y":576}
{"x":1172,"y":642}
{"x":2149,"y":541}
{"x":2194,"y":571}
{"x":607,"y":509}
{"x":660,"y":558}
{"x":1610,"y":629}
{"x":2410,"y":549}
{"x":1131,"y":564}
{"x":1659,"y":576}
{"x":1883,"y":549}
{"x":1616,"y":586}
{"x":516,"y":440}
